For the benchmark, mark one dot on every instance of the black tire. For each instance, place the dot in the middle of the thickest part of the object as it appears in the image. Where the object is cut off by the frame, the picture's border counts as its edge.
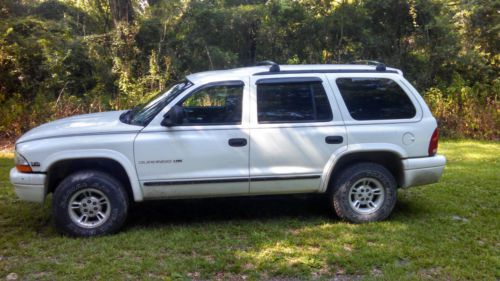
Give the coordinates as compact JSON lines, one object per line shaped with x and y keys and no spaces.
{"x":354,"y":177}
{"x":90,"y":185}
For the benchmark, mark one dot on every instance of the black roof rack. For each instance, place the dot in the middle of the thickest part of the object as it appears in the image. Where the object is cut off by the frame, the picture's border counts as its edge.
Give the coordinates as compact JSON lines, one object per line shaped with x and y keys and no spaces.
{"x":274,"y":66}
{"x":298,"y":71}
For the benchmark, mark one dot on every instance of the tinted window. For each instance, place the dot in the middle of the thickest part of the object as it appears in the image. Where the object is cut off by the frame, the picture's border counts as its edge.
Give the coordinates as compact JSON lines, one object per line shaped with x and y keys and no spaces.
{"x":292,"y":102}
{"x":375,"y":99}
{"x":217,"y":105}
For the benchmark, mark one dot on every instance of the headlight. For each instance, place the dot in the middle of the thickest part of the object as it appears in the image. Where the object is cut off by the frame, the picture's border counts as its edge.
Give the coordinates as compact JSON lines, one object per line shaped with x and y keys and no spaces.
{"x":22,"y":165}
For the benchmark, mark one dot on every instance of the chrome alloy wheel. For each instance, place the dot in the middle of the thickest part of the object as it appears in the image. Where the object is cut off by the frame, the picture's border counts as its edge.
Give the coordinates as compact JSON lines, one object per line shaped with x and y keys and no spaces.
{"x":366,"y":195}
{"x":89,"y":208}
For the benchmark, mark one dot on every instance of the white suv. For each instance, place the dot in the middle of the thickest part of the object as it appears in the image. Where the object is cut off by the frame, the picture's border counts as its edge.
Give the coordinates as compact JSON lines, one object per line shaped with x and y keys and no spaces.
{"x":354,"y":132}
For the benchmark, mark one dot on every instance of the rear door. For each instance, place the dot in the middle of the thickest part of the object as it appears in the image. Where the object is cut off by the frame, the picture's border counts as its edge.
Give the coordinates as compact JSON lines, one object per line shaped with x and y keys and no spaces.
{"x":295,"y":128}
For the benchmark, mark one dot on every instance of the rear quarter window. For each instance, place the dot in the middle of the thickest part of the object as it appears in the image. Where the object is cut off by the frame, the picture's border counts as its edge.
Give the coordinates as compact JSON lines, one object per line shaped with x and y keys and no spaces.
{"x":375,"y":99}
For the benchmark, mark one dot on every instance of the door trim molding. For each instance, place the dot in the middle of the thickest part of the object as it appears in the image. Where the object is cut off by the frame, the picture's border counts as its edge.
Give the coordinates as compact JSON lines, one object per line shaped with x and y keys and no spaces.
{"x":230,"y":180}
{"x":204,"y":181}
{"x":278,"y":178}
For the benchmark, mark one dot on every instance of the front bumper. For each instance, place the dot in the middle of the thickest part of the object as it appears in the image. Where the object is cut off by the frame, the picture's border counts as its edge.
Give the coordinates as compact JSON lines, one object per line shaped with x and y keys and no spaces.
{"x":425,"y":170}
{"x":29,"y":187}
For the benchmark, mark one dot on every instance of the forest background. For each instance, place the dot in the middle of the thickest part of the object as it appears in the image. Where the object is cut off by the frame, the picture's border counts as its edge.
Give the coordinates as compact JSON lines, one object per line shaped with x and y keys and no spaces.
{"x":60,"y":58}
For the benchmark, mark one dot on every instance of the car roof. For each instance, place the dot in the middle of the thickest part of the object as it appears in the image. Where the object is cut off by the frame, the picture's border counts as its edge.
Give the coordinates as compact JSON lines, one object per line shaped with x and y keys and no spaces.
{"x":214,"y":75}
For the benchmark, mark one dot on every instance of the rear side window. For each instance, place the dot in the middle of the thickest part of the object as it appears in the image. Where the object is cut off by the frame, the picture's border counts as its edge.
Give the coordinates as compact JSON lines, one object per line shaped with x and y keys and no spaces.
{"x":292,"y":102}
{"x":375,"y":99}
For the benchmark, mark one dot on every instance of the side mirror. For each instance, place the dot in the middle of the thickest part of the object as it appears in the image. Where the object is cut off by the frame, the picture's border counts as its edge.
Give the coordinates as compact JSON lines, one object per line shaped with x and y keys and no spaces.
{"x":175,"y":116}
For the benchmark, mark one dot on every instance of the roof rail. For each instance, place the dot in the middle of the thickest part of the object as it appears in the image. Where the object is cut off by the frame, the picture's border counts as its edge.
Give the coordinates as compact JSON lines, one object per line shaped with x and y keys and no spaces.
{"x":368,"y":62}
{"x":274,"y":66}
{"x":379,"y":66}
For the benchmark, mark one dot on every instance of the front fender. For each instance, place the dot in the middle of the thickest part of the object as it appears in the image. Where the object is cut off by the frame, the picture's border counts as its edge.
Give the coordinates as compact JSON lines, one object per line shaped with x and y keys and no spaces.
{"x":98,"y":153}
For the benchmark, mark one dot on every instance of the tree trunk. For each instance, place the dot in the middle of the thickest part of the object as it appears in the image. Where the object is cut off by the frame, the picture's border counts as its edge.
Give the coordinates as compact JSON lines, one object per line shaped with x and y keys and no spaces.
{"x":121,"y":11}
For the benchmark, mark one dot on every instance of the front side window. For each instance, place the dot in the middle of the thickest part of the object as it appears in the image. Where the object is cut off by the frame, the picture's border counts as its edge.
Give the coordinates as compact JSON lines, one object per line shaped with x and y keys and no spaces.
{"x":292,"y":102}
{"x":215,"y":105}
{"x":143,"y":114}
{"x":375,"y":99}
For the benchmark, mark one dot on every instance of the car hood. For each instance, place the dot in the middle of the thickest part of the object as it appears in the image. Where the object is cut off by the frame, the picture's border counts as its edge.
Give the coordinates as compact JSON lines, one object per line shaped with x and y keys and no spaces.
{"x":86,"y":124}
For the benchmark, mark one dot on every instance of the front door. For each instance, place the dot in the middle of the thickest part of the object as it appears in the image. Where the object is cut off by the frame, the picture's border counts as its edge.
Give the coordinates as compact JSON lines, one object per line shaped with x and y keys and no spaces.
{"x":206,"y":155}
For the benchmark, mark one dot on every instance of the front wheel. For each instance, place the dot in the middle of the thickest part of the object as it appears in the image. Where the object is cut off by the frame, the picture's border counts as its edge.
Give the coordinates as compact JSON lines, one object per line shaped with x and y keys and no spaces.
{"x":364,"y":192}
{"x":89,"y":203}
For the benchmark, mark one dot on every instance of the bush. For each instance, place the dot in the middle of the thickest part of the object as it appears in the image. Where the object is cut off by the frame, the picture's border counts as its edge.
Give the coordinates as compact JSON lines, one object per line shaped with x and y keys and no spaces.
{"x":466,"y":112}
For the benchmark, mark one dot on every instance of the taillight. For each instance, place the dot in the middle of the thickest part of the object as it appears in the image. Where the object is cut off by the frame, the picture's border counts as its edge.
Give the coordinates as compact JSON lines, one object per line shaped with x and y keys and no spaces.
{"x":433,"y":144}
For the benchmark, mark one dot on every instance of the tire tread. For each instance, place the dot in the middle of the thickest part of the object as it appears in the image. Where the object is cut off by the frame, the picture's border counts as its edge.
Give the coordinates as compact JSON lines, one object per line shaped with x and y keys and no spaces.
{"x":341,"y":208}
{"x":112,"y":188}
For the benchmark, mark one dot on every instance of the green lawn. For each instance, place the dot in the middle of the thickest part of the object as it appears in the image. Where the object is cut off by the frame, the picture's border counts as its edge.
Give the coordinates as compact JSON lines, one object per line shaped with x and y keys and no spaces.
{"x":444,"y":231}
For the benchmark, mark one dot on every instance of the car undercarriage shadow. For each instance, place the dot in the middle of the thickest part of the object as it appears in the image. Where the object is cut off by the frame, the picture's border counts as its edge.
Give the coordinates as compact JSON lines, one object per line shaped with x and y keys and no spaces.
{"x":228,"y":209}
{"x":206,"y":210}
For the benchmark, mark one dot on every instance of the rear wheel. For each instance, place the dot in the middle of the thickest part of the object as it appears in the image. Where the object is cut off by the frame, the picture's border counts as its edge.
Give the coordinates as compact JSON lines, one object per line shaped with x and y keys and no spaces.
{"x":89,"y":203}
{"x":364,"y":192}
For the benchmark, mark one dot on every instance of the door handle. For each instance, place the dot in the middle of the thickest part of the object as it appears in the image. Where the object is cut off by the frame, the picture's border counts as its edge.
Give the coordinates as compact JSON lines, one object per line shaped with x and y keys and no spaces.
{"x":237,"y":142}
{"x":334,"y":139}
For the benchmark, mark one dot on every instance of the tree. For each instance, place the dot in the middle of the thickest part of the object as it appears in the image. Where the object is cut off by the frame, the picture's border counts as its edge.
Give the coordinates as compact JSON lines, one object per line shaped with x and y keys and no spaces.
{"x":122,"y":11}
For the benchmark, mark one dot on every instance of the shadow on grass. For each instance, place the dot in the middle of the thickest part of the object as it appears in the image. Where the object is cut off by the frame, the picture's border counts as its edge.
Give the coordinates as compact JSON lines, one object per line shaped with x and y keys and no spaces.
{"x":306,"y":207}
{"x":228,"y":209}
{"x":314,"y":209}
{"x":282,"y":234}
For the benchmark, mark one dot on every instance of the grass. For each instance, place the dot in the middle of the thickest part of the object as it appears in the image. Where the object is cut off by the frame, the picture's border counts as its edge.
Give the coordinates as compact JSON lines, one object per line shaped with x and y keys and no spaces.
{"x":447,"y":231}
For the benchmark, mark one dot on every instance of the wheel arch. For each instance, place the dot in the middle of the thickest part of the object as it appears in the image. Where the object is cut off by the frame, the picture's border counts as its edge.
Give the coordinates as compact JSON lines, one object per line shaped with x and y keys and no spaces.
{"x":61,"y":164}
{"x":389,"y":157}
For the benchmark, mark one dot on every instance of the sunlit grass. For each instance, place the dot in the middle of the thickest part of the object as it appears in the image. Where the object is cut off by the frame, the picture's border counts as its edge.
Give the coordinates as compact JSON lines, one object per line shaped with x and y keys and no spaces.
{"x":6,"y":154}
{"x":446,"y":231}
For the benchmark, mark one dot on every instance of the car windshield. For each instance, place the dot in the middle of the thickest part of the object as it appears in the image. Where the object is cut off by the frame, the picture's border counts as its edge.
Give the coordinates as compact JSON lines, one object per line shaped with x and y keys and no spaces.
{"x":144,"y":113}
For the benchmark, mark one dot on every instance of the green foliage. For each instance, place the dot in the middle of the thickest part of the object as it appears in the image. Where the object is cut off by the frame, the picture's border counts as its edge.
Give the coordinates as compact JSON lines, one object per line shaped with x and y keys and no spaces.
{"x":467,"y":111}
{"x":99,"y":55}
{"x":39,"y":58}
